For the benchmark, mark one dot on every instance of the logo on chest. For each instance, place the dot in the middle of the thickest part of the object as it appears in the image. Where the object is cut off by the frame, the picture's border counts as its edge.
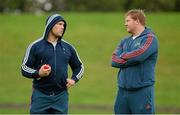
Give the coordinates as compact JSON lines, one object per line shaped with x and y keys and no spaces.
{"x":137,"y":44}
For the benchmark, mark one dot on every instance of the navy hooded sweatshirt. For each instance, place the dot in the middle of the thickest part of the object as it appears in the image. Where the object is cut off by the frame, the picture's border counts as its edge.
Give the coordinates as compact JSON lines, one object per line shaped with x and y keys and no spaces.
{"x":42,"y":52}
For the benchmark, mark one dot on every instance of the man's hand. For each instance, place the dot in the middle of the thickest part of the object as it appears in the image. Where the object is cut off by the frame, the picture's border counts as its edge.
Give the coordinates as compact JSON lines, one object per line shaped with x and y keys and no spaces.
{"x":45,"y":70}
{"x":70,"y":83}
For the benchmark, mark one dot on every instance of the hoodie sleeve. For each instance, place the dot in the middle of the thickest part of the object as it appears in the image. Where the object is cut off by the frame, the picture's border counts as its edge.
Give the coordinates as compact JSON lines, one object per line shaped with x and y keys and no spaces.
{"x":118,"y":62}
{"x":76,"y":66}
{"x":147,"y":48}
{"x":27,"y":67}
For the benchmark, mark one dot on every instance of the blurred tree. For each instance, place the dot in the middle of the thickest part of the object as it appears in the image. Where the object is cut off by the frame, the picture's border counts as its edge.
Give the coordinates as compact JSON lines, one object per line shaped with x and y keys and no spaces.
{"x":177,"y":5}
{"x":59,"y":5}
{"x":87,"y":5}
{"x":152,"y":5}
{"x":94,"y":5}
{"x":7,"y":5}
{"x":15,"y":5}
{"x":127,"y":4}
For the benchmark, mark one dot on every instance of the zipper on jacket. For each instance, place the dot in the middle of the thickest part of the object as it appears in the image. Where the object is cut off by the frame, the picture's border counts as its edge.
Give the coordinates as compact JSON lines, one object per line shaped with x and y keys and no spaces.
{"x":125,"y":49}
{"x":54,"y":60}
{"x":54,"y":50}
{"x":125,"y":79}
{"x":55,"y":66}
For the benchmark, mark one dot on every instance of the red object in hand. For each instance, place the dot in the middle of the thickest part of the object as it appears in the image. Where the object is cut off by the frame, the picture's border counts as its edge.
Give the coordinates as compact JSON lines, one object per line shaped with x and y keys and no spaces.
{"x":46,"y":67}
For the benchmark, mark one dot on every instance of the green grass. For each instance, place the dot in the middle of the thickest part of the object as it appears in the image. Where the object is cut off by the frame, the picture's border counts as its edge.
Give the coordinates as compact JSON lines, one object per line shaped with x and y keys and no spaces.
{"x":95,"y":36}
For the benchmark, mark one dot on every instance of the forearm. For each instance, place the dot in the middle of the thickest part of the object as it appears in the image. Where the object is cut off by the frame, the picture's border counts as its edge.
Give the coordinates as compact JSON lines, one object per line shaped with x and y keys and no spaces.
{"x":77,"y":73}
{"x":142,"y":53}
{"x":31,"y":75}
{"x":118,"y":62}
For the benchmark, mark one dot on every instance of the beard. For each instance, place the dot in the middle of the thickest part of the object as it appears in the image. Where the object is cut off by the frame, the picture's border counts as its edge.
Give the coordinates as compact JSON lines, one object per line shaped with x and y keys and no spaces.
{"x":57,"y":35}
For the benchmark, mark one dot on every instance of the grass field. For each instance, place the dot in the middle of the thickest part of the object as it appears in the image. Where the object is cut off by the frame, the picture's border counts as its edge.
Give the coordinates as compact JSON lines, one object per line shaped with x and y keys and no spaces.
{"x":95,"y":36}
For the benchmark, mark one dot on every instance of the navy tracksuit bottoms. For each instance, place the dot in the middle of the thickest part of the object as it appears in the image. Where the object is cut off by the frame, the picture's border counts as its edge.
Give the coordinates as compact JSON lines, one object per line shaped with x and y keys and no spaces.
{"x":139,"y":101}
{"x":49,"y":104}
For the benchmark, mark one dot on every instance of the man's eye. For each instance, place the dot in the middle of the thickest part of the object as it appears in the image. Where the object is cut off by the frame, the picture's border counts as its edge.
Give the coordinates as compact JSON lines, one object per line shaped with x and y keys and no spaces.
{"x":60,"y":24}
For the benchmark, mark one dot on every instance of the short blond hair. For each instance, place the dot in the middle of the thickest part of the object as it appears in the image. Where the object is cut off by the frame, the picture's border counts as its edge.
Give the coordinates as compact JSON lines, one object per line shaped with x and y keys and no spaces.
{"x":137,"y":14}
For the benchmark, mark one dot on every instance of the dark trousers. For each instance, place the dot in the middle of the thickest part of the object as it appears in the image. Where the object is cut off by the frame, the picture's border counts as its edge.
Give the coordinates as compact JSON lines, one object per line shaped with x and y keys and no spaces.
{"x":140,"y":101}
{"x":49,"y":104}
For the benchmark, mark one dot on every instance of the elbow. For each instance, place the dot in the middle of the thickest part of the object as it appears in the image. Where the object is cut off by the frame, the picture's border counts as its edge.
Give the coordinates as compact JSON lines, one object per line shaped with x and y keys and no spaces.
{"x":82,"y":70}
{"x":114,"y":64}
{"x":23,"y":73}
{"x":117,"y":65}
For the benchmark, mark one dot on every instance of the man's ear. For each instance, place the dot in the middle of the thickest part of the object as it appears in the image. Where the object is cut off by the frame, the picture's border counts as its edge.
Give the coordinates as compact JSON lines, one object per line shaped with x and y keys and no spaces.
{"x":137,"y":21}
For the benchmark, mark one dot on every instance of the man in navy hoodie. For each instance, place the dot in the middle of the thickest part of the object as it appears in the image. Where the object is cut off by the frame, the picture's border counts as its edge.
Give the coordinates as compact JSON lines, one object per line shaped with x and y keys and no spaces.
{"x":46,"y":62}
{"x":136,"y":57}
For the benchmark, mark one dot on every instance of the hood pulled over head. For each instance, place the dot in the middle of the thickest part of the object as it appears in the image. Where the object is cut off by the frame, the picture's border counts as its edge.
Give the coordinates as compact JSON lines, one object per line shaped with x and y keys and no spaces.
{"x":50,"y":22}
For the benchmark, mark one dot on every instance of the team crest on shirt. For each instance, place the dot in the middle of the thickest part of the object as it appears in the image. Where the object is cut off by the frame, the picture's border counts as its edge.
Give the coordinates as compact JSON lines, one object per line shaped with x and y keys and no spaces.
{"x":137,"y":44}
